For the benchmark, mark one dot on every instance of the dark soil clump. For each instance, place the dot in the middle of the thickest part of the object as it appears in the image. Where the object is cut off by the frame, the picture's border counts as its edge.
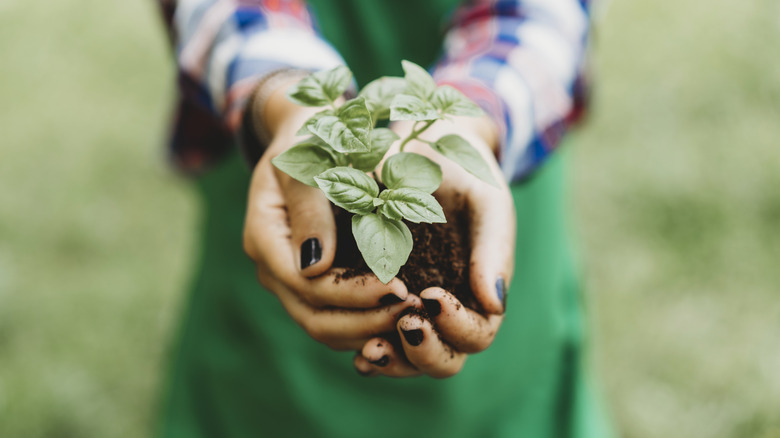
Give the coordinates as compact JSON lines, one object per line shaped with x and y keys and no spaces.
{"x":440,"y":256}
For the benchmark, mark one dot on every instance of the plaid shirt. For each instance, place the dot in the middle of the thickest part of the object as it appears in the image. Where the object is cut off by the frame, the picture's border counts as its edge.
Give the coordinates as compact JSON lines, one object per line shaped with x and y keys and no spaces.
{"x":522,"y":61}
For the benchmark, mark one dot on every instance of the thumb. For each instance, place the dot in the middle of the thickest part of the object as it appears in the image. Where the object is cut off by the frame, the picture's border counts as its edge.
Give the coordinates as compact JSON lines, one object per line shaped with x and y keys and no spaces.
{"x":313,"y":229}
{"x":492,"y":248}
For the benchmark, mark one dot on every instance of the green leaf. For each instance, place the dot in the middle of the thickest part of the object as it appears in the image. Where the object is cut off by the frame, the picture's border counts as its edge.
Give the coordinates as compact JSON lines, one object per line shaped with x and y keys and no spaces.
{"x":379,"y":95}
{"x":349,"y":188}
{"x":339,"y":158}
{"x":413,"y":205}
{"x":304,"y":161}
{"x":381,"y":139}
{"x":349,"y":130}
{"x":384,"y":243}
{"x":321,"y":88}
{"x":418,"y":82}
{"x":450,"y":101}
{"x":316,"y":141}
{"x":311,"y":120}
{"x":411,"y":170}
{"x":457,"y":149}
{"x":406,"y":107}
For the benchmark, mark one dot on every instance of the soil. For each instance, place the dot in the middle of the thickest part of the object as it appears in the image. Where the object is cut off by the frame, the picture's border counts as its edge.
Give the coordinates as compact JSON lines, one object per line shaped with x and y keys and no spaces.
{"x":440,"y":256}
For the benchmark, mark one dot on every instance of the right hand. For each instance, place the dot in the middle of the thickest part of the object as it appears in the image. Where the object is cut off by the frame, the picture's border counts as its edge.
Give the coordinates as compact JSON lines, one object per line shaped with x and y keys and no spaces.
{"x":290,"y":234}
{"x":439,"y":345}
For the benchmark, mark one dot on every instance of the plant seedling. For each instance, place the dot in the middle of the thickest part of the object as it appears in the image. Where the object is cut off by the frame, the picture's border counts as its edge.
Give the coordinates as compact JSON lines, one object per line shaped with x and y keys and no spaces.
{"x":344,"y":146}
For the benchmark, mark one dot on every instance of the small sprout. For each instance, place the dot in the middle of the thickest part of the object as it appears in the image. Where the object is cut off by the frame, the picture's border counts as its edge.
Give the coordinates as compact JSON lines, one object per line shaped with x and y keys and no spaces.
{"x":345,"y":146}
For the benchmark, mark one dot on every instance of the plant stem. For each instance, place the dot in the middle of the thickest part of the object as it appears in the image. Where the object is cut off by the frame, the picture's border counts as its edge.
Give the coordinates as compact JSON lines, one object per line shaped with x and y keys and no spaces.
{"x":416,"y":132}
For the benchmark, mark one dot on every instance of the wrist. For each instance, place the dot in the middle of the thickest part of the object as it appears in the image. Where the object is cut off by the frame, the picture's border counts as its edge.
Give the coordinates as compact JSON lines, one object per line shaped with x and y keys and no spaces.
{"x":482,"y":128}
{"x":265,"y":108}
{"x":278,"y":116}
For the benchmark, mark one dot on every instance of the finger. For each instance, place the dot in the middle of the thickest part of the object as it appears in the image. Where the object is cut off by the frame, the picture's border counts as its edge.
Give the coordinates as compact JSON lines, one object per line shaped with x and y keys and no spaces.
{"x":463,"y":328}
{"x":342,"y":329}
{"x":425,"y":350}
{"x":363,"y":367}
{"x":492,"y":229}
{"x":312,"y":226}
{"x":382,"y":358}
{"x":265,"y":213}
{"x":336,"y":290}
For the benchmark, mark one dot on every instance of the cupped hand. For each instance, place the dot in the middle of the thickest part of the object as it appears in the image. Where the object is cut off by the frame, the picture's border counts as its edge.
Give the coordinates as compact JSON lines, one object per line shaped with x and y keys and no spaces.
{"x":437,"y":342}
{"x":290,"y":234}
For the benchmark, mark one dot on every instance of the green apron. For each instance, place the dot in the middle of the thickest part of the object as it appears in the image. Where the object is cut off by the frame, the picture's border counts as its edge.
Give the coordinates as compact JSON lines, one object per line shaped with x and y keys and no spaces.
{"x":243,"y":368}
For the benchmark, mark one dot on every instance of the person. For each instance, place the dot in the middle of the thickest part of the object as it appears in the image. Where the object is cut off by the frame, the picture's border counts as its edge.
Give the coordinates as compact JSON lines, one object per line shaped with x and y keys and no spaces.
{"x":268,"y":359}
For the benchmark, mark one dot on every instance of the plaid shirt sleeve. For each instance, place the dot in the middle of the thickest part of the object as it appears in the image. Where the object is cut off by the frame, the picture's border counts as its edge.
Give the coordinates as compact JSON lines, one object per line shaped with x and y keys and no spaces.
{"x":223,"y":47}
{"x":523,"y":62}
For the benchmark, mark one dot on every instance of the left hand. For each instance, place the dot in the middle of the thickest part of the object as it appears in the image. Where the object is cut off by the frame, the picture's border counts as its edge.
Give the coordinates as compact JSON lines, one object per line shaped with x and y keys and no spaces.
{"x":284,"y":217}
{"x":459,"y":330}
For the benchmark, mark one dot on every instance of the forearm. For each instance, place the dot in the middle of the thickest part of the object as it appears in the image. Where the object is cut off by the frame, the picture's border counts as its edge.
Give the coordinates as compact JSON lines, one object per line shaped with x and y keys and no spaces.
{"x":225,"y":48}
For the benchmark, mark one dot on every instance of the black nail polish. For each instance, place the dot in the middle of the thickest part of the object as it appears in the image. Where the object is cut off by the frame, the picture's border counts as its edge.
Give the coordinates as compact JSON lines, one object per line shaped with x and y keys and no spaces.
{"x":382,"y":361}
{"x":413,"y":337}
{"x":390,"y":299}
{"x":311,"y":252}
{"x":433,"y":307}
{"x":501,"y":291}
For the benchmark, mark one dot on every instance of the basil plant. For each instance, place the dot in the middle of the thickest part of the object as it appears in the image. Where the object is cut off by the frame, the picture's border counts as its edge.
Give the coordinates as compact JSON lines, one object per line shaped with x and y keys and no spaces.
{"x":344,"y":146}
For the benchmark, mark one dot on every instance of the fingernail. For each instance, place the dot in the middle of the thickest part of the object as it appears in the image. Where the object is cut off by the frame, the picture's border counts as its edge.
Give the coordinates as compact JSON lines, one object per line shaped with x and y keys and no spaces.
{"x":390,"y":299}
{"x":382,"y":361}
{"x":413,"y":337}
{"x":311,"y":252}
{"x":433,"y":307}
{"x":501,"y":291}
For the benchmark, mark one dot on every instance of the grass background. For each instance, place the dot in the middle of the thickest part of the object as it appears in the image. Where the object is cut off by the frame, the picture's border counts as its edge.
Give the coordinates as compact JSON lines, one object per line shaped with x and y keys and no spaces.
{"x":676,"y":198}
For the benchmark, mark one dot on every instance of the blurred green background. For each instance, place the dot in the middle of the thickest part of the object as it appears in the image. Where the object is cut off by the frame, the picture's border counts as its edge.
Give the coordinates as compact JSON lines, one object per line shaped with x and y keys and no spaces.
{"x":676,"y":198}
